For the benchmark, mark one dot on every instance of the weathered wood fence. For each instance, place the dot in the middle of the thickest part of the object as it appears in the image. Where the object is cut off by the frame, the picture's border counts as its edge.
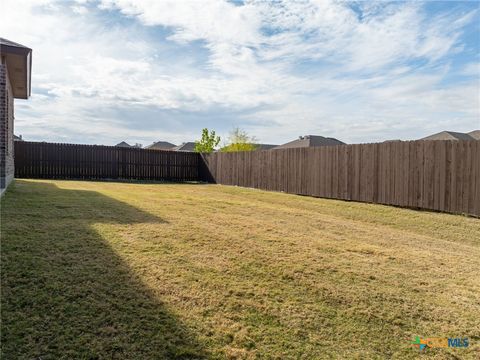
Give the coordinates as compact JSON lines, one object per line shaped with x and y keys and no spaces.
{"x":69,"y":161}
{"x":437,"y":175}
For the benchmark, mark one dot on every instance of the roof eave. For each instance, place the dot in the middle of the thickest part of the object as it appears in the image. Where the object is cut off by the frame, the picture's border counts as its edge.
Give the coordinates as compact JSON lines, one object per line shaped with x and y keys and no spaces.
{"x":27,"y":53}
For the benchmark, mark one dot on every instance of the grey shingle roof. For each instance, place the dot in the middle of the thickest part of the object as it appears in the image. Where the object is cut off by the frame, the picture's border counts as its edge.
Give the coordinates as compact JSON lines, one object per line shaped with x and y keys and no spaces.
{"x":13,"y":44}
{"x":475,"y":134}
{"x":310,"y":141}
{"x":449,"y":135}
{"x":186,"y":146}
{"x":123,"y":144}
{"x":161,"y":145}
{"x":265,"y":146}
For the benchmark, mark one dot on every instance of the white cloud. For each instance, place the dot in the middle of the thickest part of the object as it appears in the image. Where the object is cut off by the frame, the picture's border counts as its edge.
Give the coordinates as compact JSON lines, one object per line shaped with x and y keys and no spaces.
{"x":472,"y":69}
{"x":281,"y":69}
{"x":217,"y":21}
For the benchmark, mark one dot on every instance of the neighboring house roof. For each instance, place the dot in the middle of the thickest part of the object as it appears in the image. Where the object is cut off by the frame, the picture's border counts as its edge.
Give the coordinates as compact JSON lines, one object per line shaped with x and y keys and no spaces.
{"x":310,"y":141}
{"x":475,"y":134}
{"x":123,"y":144}
{"x":186,"y":146}
{"x":265,"y":146}
{"x":17,"y":138}
{"x":19,"y":65}
{"x":161,"y":145}
{"x":449,"y":135}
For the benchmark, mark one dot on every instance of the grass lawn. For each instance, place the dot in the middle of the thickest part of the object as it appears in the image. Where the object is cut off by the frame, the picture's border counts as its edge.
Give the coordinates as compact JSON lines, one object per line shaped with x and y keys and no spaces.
{"x":100,"y":270}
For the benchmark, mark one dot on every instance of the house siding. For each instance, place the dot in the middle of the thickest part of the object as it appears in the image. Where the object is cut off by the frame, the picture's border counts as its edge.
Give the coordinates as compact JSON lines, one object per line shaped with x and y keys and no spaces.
{"x":6,"y":130}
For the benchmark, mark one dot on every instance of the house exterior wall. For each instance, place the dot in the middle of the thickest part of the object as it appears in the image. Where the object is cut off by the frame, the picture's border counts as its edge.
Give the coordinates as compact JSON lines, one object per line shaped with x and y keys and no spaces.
{"x":6,"y":129}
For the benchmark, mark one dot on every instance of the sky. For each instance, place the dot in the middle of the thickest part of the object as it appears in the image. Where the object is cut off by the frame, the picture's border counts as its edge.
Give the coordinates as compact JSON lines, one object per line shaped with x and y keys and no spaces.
{"x":106,"y":71}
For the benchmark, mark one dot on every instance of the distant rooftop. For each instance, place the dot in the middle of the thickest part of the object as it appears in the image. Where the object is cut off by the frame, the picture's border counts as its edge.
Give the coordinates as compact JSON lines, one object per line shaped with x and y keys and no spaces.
{"x":123,"y":144}
{"x":475,"y":134}
{"x":161,"y":145}
{"x":186,"y":146}
{"x":310,"y":141}
{"x":453,"y":135}
{"x":265,"y":146}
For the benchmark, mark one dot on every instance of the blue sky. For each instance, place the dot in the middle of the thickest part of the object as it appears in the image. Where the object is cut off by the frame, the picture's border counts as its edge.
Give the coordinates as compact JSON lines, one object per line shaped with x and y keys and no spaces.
{"x":141,"y":71}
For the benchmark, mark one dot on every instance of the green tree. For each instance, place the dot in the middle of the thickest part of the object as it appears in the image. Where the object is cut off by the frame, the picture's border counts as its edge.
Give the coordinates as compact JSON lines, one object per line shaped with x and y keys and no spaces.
{"x":208,"y":142}
{"x":239,"y":140}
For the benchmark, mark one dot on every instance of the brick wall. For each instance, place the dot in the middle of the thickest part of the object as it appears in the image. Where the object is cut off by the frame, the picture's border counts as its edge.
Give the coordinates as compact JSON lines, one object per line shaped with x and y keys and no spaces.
{"x":6,"y":129}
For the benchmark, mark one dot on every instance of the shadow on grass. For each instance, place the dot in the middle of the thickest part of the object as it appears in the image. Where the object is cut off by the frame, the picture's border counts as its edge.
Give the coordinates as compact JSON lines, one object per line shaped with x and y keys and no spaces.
{"x":67,"y":294}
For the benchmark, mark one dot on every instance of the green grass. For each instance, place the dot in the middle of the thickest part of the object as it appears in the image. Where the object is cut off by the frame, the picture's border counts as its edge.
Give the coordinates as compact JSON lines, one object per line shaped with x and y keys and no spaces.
{"x":99,"y":270}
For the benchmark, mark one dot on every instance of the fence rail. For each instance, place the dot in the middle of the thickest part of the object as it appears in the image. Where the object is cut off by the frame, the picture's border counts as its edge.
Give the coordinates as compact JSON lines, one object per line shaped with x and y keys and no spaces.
{"x":436,"y":175}
{"x":71,"y":161}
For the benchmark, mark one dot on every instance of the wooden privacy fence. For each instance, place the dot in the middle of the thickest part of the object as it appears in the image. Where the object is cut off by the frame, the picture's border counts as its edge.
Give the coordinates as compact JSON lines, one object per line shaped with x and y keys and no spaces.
{"x":69,"y":161}
{"x":437,"y":175}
